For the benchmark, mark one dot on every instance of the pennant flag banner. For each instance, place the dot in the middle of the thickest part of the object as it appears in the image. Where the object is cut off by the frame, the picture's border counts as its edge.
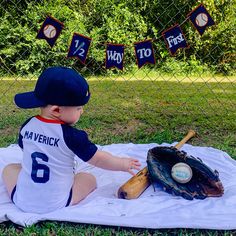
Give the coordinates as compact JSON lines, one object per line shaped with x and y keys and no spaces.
{"x":200,"y":19}
{"x":144,"y":53}
{"x":79,"y":47}
{"x":50,"y":30}
{"x":174,"y":39}
{"x":115,"y":56}
{"x":80,"y":44}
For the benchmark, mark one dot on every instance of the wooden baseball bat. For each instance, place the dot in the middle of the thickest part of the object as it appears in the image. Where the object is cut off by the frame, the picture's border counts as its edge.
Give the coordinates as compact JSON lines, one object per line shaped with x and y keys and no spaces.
{"x":136,"y":185}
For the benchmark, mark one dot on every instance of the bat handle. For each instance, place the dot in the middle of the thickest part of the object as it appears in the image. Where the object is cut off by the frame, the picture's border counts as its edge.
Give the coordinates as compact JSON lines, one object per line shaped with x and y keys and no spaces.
{"x":191,"y":133}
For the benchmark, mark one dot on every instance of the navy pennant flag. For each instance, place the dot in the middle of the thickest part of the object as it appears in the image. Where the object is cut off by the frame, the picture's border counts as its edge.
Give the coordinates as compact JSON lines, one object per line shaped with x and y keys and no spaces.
{"x":50,"y":30}
{"x":115,"y":55}
{"x":79,"y":47}
{"x":200,"y":19}
{"x":174,"y":39}
{"x":144,"y":53}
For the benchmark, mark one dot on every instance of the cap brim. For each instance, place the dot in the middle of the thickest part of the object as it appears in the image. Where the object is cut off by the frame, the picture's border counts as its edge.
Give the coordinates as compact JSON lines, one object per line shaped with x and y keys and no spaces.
{"x":28,"y":100}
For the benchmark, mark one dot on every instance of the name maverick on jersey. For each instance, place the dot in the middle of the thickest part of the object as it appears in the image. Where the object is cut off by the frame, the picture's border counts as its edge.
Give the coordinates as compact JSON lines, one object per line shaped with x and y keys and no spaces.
{"x":40,"y":138}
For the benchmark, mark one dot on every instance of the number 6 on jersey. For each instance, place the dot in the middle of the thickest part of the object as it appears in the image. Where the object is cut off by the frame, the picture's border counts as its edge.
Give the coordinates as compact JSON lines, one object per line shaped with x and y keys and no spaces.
{"x":40,"y":173}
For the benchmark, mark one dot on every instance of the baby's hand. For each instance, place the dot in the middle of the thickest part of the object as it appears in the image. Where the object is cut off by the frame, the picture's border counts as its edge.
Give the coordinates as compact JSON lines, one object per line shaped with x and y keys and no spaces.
{"x":129,"y":164}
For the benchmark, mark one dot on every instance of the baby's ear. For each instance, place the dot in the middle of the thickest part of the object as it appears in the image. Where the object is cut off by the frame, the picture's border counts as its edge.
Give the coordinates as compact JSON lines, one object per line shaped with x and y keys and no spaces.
{"x":55,"y":110}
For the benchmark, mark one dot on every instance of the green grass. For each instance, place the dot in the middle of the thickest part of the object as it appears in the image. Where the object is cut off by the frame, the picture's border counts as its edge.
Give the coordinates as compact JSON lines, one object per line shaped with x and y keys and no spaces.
{"x":142,"y":112}
{"x":158,"y":109}
{"x":72,"y":229}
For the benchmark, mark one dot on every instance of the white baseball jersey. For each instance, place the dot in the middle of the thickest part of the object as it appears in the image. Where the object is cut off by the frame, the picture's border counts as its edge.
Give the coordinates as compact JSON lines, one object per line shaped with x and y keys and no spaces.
{"x":46,"y":178}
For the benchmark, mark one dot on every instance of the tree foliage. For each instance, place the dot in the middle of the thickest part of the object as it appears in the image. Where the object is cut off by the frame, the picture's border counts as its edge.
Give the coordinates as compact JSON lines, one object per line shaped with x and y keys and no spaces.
{"x":124,"y":22}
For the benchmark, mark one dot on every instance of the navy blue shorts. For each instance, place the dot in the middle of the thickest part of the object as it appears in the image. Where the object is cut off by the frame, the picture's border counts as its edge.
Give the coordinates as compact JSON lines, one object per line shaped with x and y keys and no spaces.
{"x":69,"y":198}
{"x":12,"y":193}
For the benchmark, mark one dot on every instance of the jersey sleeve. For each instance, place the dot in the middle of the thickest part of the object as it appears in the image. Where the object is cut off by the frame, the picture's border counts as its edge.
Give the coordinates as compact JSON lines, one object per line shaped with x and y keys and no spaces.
{"x":78,"y":142}
{"x":20,"y":142}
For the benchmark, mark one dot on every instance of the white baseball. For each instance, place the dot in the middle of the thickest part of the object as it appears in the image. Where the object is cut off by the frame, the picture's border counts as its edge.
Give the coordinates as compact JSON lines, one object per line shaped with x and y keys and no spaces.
{"x":49,"y":31}
{"x":201,"y":19}
{"x":181,"y":173}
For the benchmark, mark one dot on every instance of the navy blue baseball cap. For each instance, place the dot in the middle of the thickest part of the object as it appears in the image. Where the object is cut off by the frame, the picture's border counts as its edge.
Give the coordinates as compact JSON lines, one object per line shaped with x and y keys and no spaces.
{"x":60,"y":86}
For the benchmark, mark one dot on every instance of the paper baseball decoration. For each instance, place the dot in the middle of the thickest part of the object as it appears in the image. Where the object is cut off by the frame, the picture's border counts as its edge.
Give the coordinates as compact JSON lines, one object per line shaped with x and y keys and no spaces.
{"x":201,"y":19}
{"x":49,"y":31}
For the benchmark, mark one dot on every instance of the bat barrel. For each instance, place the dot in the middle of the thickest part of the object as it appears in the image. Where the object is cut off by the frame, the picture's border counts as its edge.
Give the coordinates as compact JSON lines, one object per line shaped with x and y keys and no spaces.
{"x":135,"y":185}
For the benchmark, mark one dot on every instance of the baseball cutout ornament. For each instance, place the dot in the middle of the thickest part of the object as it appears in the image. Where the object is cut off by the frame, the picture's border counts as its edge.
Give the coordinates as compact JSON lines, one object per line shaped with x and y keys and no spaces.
{"x":49,"y":31}
{"x":181,"y":173}
{"x":201,"y":19}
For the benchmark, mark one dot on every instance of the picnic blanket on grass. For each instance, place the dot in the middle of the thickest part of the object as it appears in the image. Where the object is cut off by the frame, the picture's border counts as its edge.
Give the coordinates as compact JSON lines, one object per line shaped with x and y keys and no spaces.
{"x":152,"y":210}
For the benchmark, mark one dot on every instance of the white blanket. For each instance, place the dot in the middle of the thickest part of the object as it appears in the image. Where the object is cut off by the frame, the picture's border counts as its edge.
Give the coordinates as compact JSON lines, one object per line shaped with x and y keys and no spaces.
{"x":151,"y":210}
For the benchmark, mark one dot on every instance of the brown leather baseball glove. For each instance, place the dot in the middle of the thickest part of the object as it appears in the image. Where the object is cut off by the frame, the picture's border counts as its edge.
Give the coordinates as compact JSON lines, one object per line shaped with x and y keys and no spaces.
{"x":204,"y":182}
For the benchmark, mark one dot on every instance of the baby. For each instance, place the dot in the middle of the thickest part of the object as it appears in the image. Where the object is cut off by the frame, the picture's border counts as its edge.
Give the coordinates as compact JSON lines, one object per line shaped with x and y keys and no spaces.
{"x":45,"y":180}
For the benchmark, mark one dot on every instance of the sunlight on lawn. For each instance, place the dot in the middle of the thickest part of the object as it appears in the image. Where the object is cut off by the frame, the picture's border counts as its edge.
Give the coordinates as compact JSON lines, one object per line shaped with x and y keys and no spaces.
{"x":142,"y":77}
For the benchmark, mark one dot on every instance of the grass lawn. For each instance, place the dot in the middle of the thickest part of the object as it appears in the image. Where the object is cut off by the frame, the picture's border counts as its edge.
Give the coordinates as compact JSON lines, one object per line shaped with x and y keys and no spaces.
{"x":139,"y":111}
